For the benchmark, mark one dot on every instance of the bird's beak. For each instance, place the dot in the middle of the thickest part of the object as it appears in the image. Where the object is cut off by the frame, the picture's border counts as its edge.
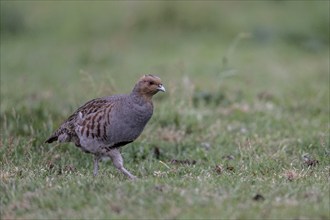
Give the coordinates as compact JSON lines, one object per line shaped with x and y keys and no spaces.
{"x":161,"y":88}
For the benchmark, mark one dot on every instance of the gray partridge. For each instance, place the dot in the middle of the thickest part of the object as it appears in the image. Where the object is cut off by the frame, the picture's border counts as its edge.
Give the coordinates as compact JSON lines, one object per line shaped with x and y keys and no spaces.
{"x":103,"y":125}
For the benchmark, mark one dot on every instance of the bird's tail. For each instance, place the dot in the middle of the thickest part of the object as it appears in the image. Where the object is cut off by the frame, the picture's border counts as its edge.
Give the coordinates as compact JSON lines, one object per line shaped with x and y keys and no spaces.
{"x":62,"y":134}
{"x":52,"y":139}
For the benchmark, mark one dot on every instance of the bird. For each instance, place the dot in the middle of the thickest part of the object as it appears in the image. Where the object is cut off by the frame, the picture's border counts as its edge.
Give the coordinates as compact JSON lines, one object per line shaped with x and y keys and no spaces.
{"x":103,"y":125}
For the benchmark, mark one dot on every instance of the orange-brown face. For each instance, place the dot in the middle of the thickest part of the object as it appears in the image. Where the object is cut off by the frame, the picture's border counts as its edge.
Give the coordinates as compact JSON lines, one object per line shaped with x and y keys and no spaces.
{"x":149,"y":85}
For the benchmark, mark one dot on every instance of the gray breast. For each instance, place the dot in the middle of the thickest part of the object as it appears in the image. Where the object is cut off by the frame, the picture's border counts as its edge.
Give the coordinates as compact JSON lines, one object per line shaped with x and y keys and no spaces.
{"x":128,"y":120}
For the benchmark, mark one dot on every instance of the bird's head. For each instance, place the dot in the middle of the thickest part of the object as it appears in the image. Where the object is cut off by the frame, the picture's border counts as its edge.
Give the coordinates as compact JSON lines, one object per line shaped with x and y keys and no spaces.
{"x":148,"y":85}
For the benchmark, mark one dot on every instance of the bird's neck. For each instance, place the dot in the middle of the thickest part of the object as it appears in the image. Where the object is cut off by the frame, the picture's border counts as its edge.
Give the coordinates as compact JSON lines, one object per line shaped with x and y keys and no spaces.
{"x":141,"y":98}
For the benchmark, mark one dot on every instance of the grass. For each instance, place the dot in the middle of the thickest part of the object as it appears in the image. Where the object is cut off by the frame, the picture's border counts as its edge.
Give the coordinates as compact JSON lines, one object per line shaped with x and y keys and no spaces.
{"x":242,"y":132}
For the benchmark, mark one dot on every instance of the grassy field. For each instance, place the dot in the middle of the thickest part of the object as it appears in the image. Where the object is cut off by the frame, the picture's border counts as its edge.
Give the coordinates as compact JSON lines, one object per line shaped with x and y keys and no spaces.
{"x":242,"y":132}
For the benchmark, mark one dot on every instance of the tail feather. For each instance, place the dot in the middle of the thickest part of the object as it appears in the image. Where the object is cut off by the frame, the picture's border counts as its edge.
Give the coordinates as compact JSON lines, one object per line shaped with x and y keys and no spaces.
{"x":51,"y":139}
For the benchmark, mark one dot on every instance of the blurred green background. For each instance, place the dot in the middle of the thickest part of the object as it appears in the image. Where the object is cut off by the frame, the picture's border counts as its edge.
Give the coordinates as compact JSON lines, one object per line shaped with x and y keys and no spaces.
{"x":48,"y":48}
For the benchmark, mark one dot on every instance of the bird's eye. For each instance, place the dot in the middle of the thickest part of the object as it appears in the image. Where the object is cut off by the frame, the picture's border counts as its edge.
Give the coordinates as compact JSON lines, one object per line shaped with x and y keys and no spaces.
{"x":151,"y":83}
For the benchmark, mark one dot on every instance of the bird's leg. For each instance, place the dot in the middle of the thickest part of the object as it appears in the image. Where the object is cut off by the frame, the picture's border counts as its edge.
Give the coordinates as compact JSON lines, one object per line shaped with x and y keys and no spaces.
{"x":118,"y":162}
{"x":96,"y":164}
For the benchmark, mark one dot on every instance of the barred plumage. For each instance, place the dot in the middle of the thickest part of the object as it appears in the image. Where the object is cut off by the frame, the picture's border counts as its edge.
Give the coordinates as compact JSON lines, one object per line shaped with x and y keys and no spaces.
{"x":103,"y":125}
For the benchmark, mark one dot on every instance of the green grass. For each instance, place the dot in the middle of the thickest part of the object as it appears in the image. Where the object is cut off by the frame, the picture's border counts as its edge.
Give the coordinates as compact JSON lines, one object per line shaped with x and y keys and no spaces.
{"x":247,"y":100}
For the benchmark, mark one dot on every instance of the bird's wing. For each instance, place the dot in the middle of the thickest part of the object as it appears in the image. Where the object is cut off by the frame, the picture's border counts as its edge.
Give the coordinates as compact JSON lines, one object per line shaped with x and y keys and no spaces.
{"x":89,"y":120}
{"x":93,"y":118}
